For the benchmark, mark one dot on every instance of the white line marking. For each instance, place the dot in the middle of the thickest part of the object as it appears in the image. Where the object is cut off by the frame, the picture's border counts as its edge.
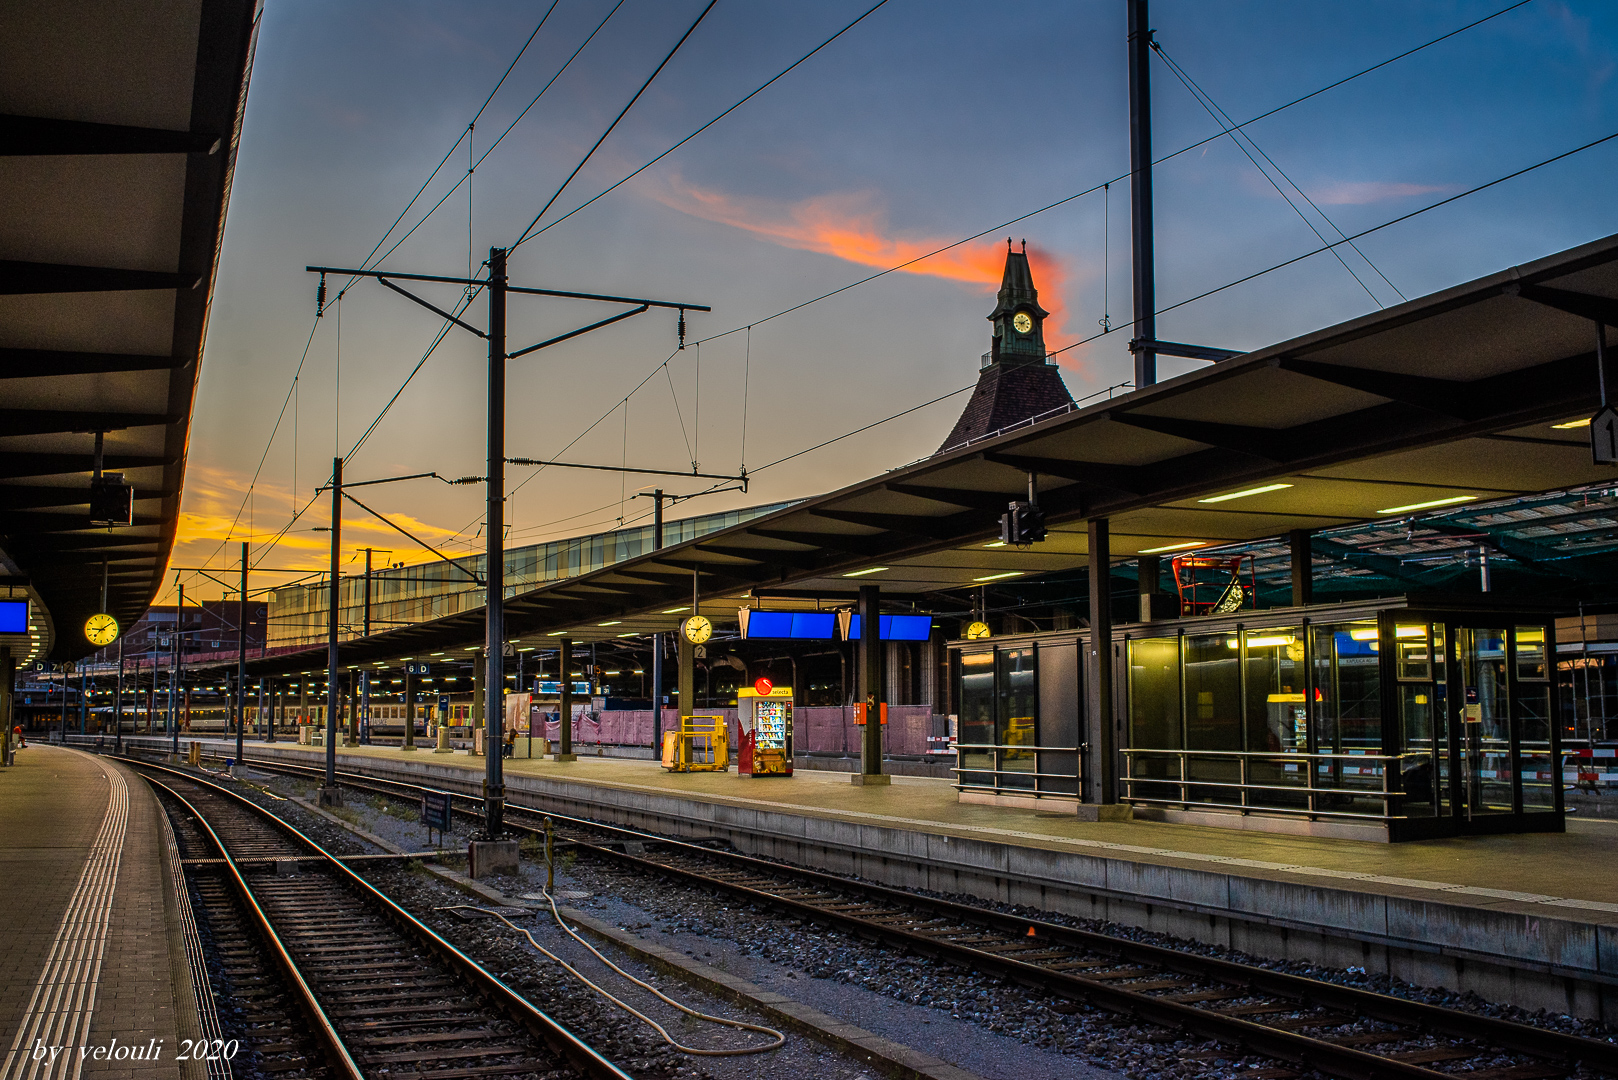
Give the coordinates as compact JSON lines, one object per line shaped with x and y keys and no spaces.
{"x":64,"y":998}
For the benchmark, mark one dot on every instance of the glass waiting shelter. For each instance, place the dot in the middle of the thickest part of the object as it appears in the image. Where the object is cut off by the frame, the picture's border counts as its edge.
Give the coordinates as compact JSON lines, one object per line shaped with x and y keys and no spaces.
{"x":1390,"y":720}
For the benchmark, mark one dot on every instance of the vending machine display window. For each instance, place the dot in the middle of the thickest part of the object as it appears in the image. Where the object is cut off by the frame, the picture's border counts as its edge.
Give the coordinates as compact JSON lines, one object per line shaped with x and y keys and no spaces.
{"x":765,"y":735}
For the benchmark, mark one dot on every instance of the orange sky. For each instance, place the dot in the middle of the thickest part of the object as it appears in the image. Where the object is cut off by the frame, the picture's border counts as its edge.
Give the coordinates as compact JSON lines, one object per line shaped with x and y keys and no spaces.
{"x":206,"y":536}
{"x":853,"y":226}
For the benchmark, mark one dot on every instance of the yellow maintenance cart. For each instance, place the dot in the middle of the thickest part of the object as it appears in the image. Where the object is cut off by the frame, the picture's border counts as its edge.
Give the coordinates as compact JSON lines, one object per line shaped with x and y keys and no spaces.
{"x":701,"y":745}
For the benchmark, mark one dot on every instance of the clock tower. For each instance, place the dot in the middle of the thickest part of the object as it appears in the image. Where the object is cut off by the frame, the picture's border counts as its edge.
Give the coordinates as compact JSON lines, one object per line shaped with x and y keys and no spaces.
{"x":1017,"y":381}
{"x":1019,"y":321}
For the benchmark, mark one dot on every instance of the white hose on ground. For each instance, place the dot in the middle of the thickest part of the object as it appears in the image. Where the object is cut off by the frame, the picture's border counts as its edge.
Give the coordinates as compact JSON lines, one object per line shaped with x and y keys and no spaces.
{"x":780,"y":1039}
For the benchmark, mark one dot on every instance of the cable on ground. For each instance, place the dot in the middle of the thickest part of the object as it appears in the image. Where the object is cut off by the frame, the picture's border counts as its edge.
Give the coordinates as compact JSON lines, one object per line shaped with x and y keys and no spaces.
{"x":780,"y":1038}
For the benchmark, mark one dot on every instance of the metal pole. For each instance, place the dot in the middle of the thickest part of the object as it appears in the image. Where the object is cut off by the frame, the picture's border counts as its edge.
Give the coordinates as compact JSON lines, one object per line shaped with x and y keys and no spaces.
{"x":657,"y":639}
{"x":277,"y":703}
{"x":565,"y":707}
{"x":241,"y":664}
{"x":494,"y":681}
{"x":118,"y":709}
{"x":410,"y":707}
{"x":1140,"y":190}
{"x":179,"y":670}
{"x":84,"y":695}
{"x":1102,"y":780}
{"x":1601,"y":363}
{"x":871,"y":686}
{"x":367,"y":616}
{"x":332,"y":696}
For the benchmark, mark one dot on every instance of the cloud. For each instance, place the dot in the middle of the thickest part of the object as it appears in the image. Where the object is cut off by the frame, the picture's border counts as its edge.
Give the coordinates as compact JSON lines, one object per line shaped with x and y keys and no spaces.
{"x":1363,"y":192}
{"x":853,"y":226}
{"x":209,"y":531}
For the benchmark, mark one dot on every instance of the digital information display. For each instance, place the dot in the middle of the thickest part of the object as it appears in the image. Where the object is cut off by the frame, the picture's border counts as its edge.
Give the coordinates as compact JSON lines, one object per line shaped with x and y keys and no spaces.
{"x":792,"y":624}
{"x":13,"y":616}
{"x":897,"y":628}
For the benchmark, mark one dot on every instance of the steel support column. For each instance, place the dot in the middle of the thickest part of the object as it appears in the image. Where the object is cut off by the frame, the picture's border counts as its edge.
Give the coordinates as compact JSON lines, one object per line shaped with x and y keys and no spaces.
{"x":1303,"y":570}
{"x":333,"y":672}
{"x":871,"y":686}
{"x":1140,"y":190}
{"x":1100,"y":762}
{"x":241,"y":663}
{"x":494,"y":529}
{"x":564,"y":745}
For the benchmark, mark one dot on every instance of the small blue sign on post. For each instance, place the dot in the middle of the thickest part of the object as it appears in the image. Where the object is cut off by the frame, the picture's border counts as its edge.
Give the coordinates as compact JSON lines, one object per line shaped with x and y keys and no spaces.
{"x":435,"y":813}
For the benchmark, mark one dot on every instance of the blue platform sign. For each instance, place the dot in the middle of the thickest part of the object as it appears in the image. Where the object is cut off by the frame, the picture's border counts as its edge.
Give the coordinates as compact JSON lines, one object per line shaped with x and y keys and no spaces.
{"x":443,"y":708}
{"x":435,"y":810}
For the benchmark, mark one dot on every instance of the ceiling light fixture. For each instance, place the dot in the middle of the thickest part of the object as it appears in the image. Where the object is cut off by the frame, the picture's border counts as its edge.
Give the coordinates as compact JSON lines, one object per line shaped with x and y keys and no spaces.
{"x":997,"y":577}
{"x":1451,"y":501}
{"x":1174,"y":547}
{"x":1243,"y":494}
{"x":867,"y":570}
{"x":1572,"y":424}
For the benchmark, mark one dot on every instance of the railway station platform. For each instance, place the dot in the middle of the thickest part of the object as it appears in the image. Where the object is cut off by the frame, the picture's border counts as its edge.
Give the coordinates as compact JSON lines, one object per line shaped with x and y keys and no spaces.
{"x":1530,"y":919}
{"x":91,"y":955}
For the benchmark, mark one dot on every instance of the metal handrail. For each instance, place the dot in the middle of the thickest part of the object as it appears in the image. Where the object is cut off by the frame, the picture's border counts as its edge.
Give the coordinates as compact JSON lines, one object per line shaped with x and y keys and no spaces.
{"x":1021,"y":746}
{"x":1286,"y":755}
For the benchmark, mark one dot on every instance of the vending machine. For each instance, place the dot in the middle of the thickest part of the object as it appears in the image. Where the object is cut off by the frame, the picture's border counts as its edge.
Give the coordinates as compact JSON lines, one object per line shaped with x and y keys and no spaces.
{"x":764,"y":730}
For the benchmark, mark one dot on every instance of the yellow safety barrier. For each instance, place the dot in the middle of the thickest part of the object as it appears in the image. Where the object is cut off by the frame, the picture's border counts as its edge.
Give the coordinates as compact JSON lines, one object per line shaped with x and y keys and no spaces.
{"x":701,"y":745}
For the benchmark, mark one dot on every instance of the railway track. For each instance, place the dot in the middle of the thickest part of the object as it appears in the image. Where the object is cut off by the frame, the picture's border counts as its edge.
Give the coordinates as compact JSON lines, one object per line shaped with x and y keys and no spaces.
{"x":1303,"y":1024}
{"x":330,"y":978}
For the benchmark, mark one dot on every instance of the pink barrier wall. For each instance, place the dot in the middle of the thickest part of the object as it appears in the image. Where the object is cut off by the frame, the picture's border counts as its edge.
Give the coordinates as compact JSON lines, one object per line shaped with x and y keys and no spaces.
{"x":820,"y":729}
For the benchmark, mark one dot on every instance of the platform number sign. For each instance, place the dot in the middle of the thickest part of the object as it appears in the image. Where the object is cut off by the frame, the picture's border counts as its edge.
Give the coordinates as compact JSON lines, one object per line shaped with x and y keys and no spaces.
{"x":1604,"y":436}
{"x":416,"y":669}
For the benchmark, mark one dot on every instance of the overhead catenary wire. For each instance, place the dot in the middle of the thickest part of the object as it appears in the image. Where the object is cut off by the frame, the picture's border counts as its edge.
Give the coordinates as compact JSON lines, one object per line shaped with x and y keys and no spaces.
{"x":1363,"y":233}
{"x":521,"y":239}
{"x":1222,"y":118}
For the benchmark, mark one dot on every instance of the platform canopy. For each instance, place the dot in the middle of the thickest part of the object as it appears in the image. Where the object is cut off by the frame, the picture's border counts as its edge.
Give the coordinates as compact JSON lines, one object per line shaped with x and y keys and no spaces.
{"x":1465,"y":395}
{"x":118,"y":133}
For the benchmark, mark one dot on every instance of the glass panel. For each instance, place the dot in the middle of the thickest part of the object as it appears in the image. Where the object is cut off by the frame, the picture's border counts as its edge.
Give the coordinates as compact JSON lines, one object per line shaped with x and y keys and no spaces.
{"x":1213,"y":715}
{"x":1154,"y":716}
{"x":1014,"y":715}
{"x":1485,"y":723}
{"x":977,"y":716}
{"x":1534,"y":747}
{"x":1348,"y":716}
{"x":1412,"y":655}
{"x":1531,"y":653}
{"x":1416,"y":707}
{"x":1277,"y":715}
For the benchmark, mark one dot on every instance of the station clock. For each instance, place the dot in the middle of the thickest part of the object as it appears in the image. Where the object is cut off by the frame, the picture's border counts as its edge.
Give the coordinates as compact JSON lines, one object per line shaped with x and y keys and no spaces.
{"x":101,"y":629}
{"x":1022,"y":322}
{"x":697,"y":629}
{"x":977,"y":631}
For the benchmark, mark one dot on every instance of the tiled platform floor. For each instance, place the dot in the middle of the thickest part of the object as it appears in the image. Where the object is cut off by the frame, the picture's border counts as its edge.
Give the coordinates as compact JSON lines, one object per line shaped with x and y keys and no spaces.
{"x":113,"y":969}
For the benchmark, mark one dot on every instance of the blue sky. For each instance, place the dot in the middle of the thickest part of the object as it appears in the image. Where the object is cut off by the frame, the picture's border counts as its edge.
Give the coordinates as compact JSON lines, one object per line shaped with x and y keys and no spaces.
{"x":927,"y":123}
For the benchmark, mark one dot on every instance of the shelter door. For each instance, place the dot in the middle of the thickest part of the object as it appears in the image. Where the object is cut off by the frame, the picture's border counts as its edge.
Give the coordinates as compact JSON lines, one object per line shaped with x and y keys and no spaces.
{"x":1482,"y":724}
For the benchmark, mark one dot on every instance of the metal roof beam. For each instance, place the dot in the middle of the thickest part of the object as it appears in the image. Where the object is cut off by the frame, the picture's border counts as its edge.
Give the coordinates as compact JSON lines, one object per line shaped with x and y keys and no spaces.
{"x":842,"y":542}
{"x":40,"y":135}
{"x":971,"y":500}
{"x":44,"y":363}
{"x":1444,"y":396}
{"x":1269,"y":444}
{"x":1129,"y":479}
{"x":53,"y":422}
{"x":797,"y":560}
{"x":18,"y":277}
{"x":944,"y":528}
{"x":1602,"y":309}
{"x":21,"y":464}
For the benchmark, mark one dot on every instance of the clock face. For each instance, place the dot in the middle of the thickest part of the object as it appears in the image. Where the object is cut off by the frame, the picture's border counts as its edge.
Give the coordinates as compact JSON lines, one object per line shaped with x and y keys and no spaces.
{"x":101,"y":629}
{"x":1023,"y":322}
{"x":697,"y":629}
{"x":977,"y":631}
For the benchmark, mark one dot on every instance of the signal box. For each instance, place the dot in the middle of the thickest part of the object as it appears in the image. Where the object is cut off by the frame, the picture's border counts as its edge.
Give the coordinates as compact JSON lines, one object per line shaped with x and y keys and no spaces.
{"x":764,"y":724}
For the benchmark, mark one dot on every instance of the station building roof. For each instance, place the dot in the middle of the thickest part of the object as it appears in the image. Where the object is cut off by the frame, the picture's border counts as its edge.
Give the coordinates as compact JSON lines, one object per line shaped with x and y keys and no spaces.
{"x":1456,"y":397}
{"x":118,"y":133}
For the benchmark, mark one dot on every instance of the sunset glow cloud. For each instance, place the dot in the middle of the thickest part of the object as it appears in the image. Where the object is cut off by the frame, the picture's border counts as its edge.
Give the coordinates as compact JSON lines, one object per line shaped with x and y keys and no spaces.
{"x":853,"y":226}
{"x":208,"y":519}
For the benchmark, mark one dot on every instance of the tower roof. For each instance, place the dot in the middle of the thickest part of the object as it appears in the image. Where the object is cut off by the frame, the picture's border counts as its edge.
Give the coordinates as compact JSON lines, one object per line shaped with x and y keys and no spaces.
{"x":1017,"y":287}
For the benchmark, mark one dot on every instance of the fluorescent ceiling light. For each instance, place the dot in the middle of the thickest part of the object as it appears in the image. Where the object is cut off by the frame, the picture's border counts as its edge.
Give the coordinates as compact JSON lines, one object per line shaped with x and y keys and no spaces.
{"x":556,"y":633}
{"x":1174,"y":547}
{"x":676,"y":610}
{"x":867,"y":570}
{"x":997,"y":577}
{"x":1244,"y":494}
{"x":1572,"y":424}
{"x":995,"y":543}
{"x":1451,"y":501}
{"x":630,"y":634}
{"x":610,"y":622}
{"x":1264,"y":641}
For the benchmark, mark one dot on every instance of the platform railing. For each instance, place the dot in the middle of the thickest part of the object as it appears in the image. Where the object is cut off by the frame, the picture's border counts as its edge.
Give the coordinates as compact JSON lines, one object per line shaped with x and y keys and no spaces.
{"x":1228,"y":782}
{"x":1000,"y":778}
